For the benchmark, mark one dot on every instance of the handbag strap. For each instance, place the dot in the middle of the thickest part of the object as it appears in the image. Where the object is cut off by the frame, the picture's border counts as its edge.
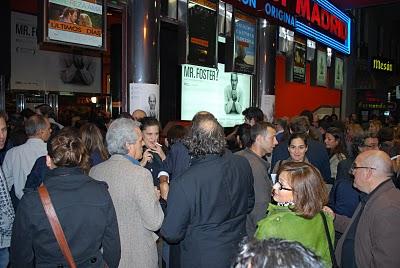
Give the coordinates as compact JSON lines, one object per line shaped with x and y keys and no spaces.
{"x":331,"y":251}
{"x":55,"y":225}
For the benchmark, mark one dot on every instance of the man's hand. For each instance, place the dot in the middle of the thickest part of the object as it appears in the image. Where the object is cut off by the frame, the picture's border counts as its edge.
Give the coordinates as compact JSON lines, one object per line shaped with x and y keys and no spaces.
{"x":164,"y":186}
{"x":234,"y":95}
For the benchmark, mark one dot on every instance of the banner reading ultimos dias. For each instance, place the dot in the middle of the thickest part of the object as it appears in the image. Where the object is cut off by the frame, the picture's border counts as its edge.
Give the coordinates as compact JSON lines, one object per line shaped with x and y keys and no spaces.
{"x":76,"y":21}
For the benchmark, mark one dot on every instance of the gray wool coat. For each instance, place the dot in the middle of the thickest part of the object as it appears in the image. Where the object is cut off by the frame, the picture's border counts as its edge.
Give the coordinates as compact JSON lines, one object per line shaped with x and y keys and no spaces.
{"x":138,"y":210}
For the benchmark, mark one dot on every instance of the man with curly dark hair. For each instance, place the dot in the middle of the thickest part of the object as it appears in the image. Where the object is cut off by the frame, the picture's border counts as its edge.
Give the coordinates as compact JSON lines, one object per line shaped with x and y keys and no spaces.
{"x":209,"y":202}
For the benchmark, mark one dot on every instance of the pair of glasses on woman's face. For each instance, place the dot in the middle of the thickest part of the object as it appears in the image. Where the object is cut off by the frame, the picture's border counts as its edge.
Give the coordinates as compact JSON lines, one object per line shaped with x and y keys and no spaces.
{"x":280,"y":187}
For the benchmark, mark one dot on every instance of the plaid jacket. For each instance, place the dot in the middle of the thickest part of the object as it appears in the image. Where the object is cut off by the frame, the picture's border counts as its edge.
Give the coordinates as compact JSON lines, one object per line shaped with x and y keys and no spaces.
{"x":6,"y":213}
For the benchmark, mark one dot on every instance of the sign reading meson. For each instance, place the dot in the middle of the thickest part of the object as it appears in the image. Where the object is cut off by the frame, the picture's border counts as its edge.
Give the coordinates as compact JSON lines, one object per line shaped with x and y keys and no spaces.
{"x":383,"y":65}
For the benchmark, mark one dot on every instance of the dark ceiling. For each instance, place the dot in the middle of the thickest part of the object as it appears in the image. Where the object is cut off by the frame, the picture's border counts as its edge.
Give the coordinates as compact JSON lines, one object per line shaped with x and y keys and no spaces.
{"x":347,"y":4}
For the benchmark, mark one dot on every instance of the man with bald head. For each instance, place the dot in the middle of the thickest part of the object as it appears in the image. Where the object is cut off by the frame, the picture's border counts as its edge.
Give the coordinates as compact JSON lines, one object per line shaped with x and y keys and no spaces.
{"x":371,"y":238}
{"x":138,"y":114}
{"x":208,"y":204}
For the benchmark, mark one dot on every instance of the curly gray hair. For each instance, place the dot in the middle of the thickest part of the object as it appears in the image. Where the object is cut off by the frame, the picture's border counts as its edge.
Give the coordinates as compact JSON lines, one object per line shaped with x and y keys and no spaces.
{"x":121,"y":132}
{"x":206,"y":137}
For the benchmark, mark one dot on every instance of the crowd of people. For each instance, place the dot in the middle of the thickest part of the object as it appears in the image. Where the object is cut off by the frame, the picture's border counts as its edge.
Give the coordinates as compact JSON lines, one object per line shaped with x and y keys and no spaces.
{"x":298,"y":192}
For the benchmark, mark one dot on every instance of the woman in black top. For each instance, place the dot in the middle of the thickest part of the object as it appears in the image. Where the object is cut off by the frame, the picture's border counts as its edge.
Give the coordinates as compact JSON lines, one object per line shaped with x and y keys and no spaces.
{"x":83,"y":206}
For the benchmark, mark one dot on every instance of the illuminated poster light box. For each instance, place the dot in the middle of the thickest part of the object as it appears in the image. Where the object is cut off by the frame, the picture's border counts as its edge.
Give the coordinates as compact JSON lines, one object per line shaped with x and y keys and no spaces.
{"x":223,"y":94}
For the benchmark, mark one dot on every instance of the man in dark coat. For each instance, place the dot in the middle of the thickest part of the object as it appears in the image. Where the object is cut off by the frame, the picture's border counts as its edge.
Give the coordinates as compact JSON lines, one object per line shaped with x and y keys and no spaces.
{"x":208,"y":203}
{"x":316,"y":153}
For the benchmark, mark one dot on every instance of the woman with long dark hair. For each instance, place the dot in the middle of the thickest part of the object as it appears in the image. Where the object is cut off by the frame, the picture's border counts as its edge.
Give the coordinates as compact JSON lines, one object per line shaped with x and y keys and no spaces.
{"x":94,"y":143}
{"x":336,"y":145}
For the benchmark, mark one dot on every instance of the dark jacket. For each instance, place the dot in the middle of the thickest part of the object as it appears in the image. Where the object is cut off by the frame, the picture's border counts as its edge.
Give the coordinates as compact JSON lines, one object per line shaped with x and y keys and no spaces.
{"x":177,"y":161}
{"x":343,"y":197}
{"x":316,"y":154}
{"x":207,"y":209}
{"x":87,"y":216}
{"x":38,"y":172}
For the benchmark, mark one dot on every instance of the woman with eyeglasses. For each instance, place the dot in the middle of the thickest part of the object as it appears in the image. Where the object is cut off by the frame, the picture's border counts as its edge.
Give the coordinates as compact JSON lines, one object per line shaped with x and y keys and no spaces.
{"x":297,"y":148}
{"x":300,"y":193}
{"x":336,"y":145}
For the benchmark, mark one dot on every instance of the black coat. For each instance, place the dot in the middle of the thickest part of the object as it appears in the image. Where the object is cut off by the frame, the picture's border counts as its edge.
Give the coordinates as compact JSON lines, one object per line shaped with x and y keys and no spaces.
{"x":207,"y":209}
{"x":87,"y":216}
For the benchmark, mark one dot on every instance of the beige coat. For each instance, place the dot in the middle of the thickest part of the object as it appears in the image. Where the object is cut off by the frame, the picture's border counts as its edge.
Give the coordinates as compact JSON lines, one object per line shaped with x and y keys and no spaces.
{"x":139,"y":212}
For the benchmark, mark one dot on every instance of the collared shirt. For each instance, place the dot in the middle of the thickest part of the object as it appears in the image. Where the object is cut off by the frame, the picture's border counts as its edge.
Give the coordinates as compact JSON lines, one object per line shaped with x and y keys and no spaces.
{"x":133,"y":160}
{"x":19,"y":161}
{"x":6,"y":213}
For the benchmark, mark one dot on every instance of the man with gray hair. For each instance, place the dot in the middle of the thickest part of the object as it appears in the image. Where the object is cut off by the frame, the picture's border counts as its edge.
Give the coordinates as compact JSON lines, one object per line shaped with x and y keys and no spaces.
{"x":135,"y":198}
{"x":19,"y":160}
{"x":209,"y":202}
{"x":371,"y":237}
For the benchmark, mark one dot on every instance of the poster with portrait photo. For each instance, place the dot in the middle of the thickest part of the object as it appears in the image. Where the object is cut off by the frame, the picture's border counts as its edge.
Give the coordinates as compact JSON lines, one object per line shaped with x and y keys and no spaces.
{"x":338,"y":73}
{"x":322,"y":79}
{"x":299,"y":59}
{"x":145,"y":97}
{"x":202,"y":26}
{"x":245,"y":38}
{"x":223,"y":94}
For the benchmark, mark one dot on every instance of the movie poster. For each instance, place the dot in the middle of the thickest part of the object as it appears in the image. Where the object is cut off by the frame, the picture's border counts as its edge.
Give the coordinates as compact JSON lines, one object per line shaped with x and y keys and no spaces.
{"x":202,"y":24}
{"x":322,"y":79}
{"x":268,"y":107}
{"x":225,"y":95}
{"x":78,"y":22}
{"x":245,"y":36}
{"x":338,"y":73}
{"x":36,"y":69}
{"x":299,"y":68}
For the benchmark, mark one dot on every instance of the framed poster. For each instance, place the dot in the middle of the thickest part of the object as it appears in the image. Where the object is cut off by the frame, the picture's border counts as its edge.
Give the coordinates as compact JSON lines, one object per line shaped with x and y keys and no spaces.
{"x":245,"y":38}
{"x":338,"y":73}
{"x":202,"y":31}
{"x":299,"y":68}
{"x":145,"y":97}
{"x":224,"y":94}
{"x":322,"y":79}
{"x":77,"y":23}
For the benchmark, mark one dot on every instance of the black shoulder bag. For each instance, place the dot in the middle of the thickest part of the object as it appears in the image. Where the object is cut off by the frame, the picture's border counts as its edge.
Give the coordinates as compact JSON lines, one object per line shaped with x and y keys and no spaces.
{"x":330,"y":244}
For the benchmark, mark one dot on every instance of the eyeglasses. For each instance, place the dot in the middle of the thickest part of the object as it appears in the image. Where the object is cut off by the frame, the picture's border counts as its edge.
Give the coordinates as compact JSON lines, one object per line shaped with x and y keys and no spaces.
{"x":354,"y":167}
{"x":283,"y":188}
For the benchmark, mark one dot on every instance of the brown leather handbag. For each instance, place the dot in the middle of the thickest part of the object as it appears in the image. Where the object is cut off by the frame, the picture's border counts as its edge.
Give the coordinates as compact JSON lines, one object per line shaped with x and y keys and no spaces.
{"x":55,"y":225}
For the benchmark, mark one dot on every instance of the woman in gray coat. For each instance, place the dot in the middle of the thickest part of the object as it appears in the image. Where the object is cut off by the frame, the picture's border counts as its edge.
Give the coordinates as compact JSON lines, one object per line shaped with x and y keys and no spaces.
{"x":136,"y":200}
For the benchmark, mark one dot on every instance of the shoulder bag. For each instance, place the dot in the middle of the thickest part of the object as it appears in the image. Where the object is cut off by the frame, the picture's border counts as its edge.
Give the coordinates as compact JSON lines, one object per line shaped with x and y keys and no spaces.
{"x":331,"y":251}
{"x":55,"y":225}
